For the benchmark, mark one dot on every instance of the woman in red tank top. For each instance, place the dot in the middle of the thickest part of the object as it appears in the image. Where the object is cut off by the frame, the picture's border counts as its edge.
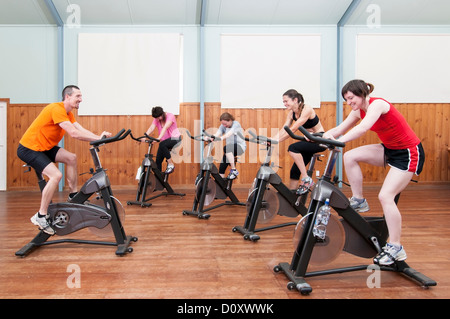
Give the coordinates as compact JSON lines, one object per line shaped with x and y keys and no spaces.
{"x":400,"y":149}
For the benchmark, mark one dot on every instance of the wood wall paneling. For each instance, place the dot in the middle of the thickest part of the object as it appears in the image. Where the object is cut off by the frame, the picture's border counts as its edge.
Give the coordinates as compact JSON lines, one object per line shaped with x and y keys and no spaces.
{"x":429,"y":121}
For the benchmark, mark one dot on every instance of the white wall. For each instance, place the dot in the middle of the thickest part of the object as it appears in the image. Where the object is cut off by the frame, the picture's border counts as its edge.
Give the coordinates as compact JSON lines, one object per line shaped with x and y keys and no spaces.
{"x":29,"y":56}
{"x":190,"y":51}
{"x":128,"y":73}
{"x":212,"y":48}
{"x":328,"y":60}
{"x":28,"y":64}
{"x":398,"y":82}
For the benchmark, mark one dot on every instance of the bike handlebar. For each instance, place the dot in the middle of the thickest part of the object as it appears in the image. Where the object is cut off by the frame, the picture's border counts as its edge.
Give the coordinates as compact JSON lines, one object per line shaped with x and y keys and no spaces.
{"x":313,"y":138}
{"x":209,"y":135}
{"x":259,"y":139}
{"x":150,"y":138}
{"x":197,"y":138}
{"x":104,"y":140}
{"x":255,"y":139}
{"x":200,"y":137}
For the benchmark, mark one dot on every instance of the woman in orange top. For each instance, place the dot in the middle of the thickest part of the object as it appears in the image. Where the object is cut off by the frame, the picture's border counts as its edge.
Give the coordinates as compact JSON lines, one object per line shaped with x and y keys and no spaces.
{"x":39,"y":148}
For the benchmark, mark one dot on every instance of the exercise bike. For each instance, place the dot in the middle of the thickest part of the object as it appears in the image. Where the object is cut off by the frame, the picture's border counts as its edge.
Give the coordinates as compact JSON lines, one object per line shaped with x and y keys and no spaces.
{"x":209,"y":185}
{"x":83,"y":211}
{"x":353,"y":233}
{"x":150,"y":177}
{"x":263,"y":202}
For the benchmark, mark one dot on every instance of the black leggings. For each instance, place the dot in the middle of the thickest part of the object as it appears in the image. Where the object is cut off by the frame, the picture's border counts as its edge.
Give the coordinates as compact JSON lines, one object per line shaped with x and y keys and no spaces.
{"x":307,"y":149}
{"x":229,"y":148}
{"x":164,"y":150}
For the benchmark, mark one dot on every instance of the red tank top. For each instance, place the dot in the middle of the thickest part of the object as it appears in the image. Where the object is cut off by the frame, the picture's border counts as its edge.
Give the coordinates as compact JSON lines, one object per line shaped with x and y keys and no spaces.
{"x":392,"y":128}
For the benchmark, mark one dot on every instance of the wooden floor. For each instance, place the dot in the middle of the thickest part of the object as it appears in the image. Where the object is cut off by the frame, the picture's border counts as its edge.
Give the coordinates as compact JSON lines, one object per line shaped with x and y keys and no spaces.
{"x":182,"y":257}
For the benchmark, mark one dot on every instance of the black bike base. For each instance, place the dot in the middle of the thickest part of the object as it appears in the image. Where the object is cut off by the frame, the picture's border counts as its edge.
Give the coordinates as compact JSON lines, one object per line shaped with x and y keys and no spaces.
{"x":41,"y":240}
{"x":202,"y":215}
{"x":304,"y":288}
{"x":144,"y":203}
{"x":250,"y":235}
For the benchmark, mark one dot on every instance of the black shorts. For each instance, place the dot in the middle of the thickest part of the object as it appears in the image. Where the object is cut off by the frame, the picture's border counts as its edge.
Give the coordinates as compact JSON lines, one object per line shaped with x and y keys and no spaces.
{"x":37,"y":160}
{"x":408,"y":159}
{"x":307,"y":149}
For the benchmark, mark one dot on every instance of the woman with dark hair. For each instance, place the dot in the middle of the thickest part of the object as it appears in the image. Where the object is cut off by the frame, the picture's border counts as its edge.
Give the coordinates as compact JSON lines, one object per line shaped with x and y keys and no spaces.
{"x":234,"y":144}
{"x":400,"y":148}
{"x":300,"y":114}
{"x":169,"y":136}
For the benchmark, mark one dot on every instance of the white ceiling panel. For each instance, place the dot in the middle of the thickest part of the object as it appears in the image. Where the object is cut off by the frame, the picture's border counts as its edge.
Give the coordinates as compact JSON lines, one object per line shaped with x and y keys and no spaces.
{"x":310,"y":12}
{"x":94,"y":11}
{"x":403,"y":12}
{"x":24,"y":12}
{"x":225,"y":12}
{"x":132,"y":12}
{"x":181,"y":12}
{"x":270,"y":12}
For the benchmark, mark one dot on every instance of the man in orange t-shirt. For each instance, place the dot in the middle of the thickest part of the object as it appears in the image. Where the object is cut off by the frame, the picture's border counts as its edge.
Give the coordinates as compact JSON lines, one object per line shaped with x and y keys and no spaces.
{"x":39,"y":148}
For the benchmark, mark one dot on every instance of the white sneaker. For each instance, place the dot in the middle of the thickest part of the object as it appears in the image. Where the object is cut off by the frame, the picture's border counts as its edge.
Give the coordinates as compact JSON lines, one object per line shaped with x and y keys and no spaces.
{"x":306,"y":184}
{"x":389,"y":255}
{"x":169,"y":169}
{"x":359,"y":207}
{"x":233,"y":174}
{"x":42,"y":223}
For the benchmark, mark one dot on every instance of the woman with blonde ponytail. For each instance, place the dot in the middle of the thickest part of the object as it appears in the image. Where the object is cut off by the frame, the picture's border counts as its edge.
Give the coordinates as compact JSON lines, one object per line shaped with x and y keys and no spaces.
{"x":401,"y":149}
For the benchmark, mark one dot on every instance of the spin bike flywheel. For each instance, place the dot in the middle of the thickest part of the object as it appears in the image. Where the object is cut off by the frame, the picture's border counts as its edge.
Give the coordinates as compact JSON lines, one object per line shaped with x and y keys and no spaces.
{"x":210,"y":190}
{"x":107,"y":230}
{"x":327,"y":250}
{"x":151,"y":184}
{"x":270,"y":205}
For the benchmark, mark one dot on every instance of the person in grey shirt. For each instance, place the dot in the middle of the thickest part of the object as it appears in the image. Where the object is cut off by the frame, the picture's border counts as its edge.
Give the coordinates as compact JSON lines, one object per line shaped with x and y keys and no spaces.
{"x":234,"y":145}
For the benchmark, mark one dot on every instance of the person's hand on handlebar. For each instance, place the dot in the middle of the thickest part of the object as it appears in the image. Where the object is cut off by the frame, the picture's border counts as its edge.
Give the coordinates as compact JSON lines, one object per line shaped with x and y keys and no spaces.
{"x":144,"y":139}
{"x":105,"y":134}
{"x":328,"y":135}
{"x":211,"y":138}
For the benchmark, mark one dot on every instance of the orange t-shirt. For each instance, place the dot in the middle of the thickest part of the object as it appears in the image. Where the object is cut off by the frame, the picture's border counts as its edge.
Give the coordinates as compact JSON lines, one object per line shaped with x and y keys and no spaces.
{"x":45,"y":133}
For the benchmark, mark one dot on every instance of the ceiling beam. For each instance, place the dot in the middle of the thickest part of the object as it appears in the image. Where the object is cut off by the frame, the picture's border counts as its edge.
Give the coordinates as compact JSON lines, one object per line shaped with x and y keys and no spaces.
{"x":348,"y":13}
{"x":203,"y":12}
{"x":55,"y":15}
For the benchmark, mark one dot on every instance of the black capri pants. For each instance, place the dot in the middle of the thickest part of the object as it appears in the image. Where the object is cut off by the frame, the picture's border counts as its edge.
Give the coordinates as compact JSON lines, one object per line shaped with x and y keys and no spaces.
{"x":164,"y":150}
{"x":229,"y":148}
{"x":307,"y":149}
